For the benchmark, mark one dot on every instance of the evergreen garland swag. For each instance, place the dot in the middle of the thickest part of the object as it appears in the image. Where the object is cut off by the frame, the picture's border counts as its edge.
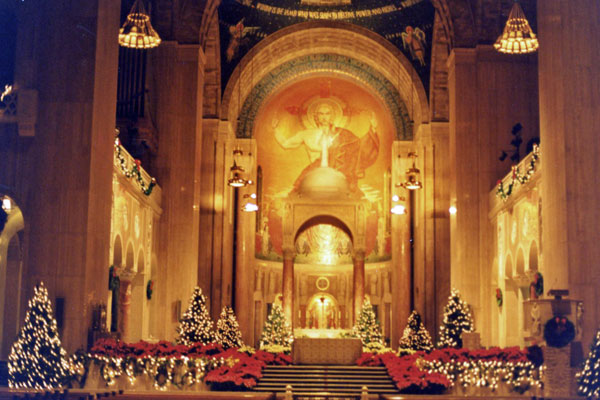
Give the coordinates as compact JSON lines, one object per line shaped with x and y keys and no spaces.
{"x":196,"y":326}
{"x":367,"y":327}
{"x":415,"y":336}
{"x":228,"y":330}
{"x":37,"y":359}
{"x":457,"y":319}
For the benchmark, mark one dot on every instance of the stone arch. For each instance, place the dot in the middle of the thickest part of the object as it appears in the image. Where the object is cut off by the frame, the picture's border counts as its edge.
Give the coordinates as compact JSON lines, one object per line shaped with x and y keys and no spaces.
{"x":117,"y":259}
{"x":129,"y":257}
{"x":508,"y":267}
{"x":333,"y":39}
{"x":140,"y":266}
{"x":520,"y":266}
{"x":533,"y":257}
{"x":323,"y":219}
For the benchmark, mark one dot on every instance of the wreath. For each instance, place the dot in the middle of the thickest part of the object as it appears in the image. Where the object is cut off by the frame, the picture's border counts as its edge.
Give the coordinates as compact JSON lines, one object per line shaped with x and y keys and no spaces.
{"x":499,"y":297}
{"x":559,"y":332}
{"x":113,"y":279}
{"x":149,"y":289}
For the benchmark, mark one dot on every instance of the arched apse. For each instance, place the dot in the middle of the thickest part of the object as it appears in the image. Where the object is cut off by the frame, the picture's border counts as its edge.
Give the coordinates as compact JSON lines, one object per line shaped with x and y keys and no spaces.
{"x":323,"y":240}
{"x":326,"y":39}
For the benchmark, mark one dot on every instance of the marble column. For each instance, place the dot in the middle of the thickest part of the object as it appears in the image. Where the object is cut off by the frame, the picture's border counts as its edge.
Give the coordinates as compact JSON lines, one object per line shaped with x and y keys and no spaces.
{"x":124,"y":309}
{"x":358,"y":282}
{"x":569,"y":98}
{"x":288,"y":284}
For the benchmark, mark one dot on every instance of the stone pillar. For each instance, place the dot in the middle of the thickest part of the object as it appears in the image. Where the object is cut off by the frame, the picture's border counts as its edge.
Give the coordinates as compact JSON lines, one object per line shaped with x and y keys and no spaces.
{"x":401,"y":285}
{"x":288,"y":284}
{"x":489,"y":93}
{"x":178,"y":87}
{"x":569,"y":97}
{"x":358,"y":282}
{"x":124,"y":309}
{"x":244,"y":265}
{"x":65,"y":171}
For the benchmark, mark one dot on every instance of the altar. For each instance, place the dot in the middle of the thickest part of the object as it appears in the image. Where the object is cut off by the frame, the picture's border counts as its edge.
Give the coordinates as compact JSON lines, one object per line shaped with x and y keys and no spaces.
{"x":326,"y":351}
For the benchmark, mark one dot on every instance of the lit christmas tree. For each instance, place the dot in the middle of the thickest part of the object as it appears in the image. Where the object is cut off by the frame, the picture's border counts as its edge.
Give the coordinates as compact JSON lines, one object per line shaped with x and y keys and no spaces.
{"x":195,"y":325}
{"x":37,"y":359}
{"x":277,"y":330}
{"x":228,"y":331}
{"x":457,"y":319}
{"x":588,"y":380}
{"x":415,"y":336}
{"x":367,"y":327}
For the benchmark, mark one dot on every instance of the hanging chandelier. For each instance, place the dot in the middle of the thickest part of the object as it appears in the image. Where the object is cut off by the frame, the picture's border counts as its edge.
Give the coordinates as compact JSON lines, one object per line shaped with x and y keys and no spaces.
{"x":517,"y":37}
{"x":412,"y":181}
{"x":137,"y":32}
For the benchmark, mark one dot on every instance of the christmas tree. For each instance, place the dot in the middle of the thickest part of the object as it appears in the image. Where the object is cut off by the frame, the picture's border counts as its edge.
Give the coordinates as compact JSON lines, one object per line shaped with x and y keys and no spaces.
{"x":195,"y":325}
{"x":415,"y":336}
{"x":277,"y":330}
{"x":367,"y":326}
{"x":457,"y":319}
{"x":228,"y":331}
{"x":37,"y":359}
{"x":588,"y":380}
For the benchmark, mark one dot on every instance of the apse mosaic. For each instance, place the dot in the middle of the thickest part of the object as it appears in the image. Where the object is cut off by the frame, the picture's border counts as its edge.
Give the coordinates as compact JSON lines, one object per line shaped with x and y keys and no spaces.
{"x":407,"y":24}
{"x":289,"y":133}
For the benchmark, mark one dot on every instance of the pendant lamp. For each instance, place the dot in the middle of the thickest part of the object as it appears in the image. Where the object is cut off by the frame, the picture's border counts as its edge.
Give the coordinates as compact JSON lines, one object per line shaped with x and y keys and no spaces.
{"x":517,"y":37}
{"x":137,"y":32}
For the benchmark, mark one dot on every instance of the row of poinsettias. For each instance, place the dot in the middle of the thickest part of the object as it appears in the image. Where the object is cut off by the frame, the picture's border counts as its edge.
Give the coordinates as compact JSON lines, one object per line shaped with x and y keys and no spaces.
{"x":180,"y":365}
{"x":434,"y":372}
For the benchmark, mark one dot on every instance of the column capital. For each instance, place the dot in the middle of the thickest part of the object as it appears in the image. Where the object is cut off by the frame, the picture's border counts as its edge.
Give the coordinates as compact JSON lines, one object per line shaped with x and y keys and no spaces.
{"x":358,"y":254}
{"x":289,"y":253}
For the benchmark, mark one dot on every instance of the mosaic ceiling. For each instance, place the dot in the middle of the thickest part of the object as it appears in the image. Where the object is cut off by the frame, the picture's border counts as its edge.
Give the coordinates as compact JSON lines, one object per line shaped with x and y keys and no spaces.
{"x":407,"y":24}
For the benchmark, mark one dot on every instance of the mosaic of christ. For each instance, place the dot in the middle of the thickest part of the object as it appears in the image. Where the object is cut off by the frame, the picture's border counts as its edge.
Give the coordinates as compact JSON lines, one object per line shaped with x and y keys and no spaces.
{"x":323,"y":121}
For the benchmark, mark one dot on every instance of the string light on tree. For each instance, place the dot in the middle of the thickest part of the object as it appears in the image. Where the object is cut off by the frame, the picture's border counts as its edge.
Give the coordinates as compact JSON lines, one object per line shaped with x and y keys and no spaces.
{"x":588,"y":379}
{"x":228,"y":330}
{"x":457,"y":319}
{"x":277,"y":331}
{"x":415,"y":336}
{"x":367,"y":327}
{"x":196,"y":325}
{"x":37,"y":359}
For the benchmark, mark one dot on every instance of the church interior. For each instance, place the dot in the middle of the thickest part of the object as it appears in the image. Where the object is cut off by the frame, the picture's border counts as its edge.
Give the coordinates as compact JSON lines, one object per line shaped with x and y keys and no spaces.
{"x":302,"y":154}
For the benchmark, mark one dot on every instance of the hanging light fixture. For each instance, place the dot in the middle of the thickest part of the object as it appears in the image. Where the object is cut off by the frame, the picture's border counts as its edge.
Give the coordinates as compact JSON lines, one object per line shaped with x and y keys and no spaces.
{"x":237,"y":171}
{"x":412,"y":181}
{"x":137,"y":32}
{"x":517,"y":37}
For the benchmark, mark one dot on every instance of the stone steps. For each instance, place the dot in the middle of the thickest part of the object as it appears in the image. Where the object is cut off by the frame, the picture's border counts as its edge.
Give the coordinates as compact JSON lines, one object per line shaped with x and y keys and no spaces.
{"x":328,"y":380}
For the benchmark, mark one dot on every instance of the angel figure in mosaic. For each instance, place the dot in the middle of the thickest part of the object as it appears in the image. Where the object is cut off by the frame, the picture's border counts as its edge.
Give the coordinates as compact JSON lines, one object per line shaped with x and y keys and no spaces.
{"x":414,"y":40}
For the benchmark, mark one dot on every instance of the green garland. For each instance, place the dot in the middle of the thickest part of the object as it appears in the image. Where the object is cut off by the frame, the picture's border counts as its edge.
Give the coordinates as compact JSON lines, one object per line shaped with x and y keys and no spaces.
{"x":517,"y":177}
{"x":134,"y":172}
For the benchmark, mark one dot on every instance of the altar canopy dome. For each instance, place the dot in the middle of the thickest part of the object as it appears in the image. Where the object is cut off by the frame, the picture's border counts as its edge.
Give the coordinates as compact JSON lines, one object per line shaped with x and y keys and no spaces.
{"x":324,"y":183}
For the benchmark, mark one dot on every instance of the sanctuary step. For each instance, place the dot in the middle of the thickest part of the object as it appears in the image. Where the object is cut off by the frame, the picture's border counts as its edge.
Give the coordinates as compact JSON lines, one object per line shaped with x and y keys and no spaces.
{"x":329,"y":380}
